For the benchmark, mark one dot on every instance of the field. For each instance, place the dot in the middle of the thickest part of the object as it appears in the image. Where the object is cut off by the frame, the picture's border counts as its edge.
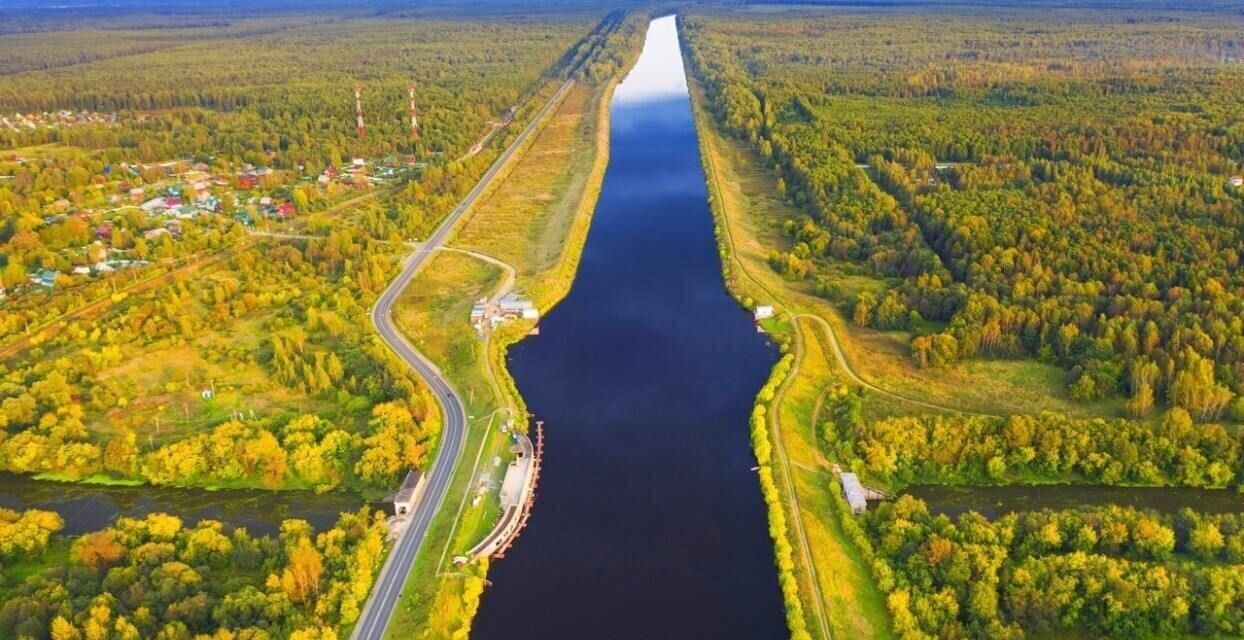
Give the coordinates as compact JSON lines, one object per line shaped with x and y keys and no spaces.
{"x":529,"y":221}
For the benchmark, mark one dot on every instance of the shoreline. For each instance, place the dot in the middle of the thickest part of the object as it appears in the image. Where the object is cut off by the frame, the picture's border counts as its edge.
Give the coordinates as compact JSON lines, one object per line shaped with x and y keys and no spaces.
{"x":450,"y":607}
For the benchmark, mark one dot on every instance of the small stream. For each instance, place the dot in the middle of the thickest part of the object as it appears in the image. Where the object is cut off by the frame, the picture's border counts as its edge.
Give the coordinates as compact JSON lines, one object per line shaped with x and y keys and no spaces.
{"x":89,"y":507}
{"x":993,"y":502}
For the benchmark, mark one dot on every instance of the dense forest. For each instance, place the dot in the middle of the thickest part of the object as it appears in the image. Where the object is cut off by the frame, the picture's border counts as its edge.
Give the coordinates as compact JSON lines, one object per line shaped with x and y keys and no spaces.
{"x":1062,"y":186}
{"x":1058,"y":185}
{"x":155,"y":577}
{"x":963,"y":449}
{"x":1110,"y":571}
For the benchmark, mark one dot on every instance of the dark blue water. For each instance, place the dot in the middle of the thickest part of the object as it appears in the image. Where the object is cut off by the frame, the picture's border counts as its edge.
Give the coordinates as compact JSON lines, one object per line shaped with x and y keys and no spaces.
{"x":648,"y":522}
{"x":90,"y":507}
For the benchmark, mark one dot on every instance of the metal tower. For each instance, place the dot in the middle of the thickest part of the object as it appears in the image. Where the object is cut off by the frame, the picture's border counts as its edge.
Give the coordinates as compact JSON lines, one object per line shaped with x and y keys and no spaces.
{"x":414,"y":121}
{"x":358,"y":108}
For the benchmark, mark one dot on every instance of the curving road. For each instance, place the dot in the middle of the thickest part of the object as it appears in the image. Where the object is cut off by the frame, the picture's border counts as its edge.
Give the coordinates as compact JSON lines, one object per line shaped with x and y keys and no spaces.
{"x":388,"y":588}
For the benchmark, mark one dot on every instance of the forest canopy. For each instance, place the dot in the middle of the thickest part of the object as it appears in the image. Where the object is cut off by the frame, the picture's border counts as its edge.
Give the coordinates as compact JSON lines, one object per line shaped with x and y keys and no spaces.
{"x":1058,"y":185}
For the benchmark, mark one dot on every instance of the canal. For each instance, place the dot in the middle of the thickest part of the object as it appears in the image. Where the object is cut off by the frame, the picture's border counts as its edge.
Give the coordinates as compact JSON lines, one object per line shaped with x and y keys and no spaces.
{"x":89,"y":507}
{"x":649,"y":521}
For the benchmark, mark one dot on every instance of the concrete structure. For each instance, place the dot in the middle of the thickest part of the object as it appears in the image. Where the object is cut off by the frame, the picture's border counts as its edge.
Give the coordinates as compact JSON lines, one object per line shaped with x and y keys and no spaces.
{"x":854,"y":492}
{"x":763,"y":312}
{"x":402,"y":502}
{"x":518,"y":490}
{"x":515,"y":476}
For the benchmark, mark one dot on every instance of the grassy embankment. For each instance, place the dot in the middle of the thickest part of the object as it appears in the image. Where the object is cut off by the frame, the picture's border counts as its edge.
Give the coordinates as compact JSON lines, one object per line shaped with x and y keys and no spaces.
{"x":836,"y":596}
{"x":536,"y":219}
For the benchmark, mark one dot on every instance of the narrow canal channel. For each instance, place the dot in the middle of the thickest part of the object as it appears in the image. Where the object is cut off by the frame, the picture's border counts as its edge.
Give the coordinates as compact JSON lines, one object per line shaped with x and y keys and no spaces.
{"x":91,"y":507}
{"x":649,"y":521}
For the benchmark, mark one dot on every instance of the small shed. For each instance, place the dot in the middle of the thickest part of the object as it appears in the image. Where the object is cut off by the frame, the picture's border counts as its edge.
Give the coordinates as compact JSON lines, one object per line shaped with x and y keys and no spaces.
{"x":763,"y":312}
{"x":854,"y":492}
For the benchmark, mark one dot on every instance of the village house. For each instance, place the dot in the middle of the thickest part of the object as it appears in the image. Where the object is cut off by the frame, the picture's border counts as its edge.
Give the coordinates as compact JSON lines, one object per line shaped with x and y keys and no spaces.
{"x":155,"y":205}
{"x":44,"y":278}
{"x":511,"y":305}
{"x":478,"y":312}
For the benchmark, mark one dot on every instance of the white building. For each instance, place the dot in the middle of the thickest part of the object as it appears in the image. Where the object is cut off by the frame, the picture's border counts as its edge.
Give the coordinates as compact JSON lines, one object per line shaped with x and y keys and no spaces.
{"x":854,"y":492}
{"x":514,"y":306}
{"x":763,"y":312}
{"x":154,"y":204}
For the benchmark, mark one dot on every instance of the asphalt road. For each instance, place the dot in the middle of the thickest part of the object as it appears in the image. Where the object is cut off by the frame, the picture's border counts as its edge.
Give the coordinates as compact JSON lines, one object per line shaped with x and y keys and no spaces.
{"x":388,"y":588}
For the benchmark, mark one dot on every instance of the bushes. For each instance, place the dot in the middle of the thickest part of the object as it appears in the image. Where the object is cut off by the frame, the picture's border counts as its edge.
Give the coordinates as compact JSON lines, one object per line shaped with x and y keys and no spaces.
{"x":783,"y":552}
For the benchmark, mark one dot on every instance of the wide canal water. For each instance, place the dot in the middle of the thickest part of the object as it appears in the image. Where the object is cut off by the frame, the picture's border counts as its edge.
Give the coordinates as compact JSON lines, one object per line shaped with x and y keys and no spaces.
{"x":649,"y":521}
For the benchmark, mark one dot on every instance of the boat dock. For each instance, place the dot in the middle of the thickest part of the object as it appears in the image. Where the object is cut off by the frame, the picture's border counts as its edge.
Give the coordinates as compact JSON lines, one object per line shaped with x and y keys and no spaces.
{"x":518,"y":493}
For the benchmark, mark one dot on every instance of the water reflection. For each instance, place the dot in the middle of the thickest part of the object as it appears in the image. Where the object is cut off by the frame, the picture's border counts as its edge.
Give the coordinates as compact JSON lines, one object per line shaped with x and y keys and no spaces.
{"x":658,"y":74}
{"x":649,"y":521}
{"x":87,"y":507}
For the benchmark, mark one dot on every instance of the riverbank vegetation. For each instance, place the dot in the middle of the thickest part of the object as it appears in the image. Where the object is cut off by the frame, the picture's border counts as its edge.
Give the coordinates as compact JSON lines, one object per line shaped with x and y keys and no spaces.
{"x":154,"y":577}
{"x":947,"y":224}
{"x":835,"y":594}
